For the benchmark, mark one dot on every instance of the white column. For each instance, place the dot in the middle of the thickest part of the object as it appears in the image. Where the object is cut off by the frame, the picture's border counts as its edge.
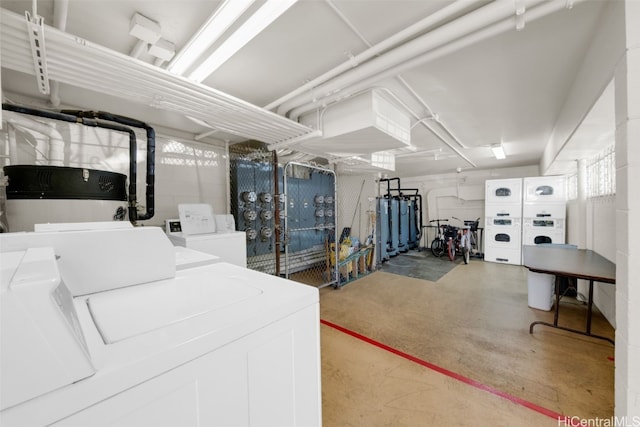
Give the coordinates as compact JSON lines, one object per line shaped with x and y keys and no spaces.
{"x":627,"y":89}
{"x":582,"y":204}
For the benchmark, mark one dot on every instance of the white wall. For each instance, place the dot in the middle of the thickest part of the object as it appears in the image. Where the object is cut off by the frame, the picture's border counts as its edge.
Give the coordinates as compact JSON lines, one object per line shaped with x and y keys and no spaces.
{"x":627,"y":94}
{"x":356,"y":203}
{"x":460,"y":194}
{"x":186,"y":171}
{"x":611,"y":224}
{"x":601,"y":222}
{"x":607,"y":47}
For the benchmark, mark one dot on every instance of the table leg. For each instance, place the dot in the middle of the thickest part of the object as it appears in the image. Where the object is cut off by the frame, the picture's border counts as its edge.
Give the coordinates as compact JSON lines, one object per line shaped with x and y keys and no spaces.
{"x":557,"y":307}
{"x":590,"y":307}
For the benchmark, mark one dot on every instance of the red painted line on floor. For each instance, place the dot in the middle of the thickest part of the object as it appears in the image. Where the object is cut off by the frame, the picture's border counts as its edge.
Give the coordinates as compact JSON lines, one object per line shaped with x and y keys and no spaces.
{"x":454,"y":375}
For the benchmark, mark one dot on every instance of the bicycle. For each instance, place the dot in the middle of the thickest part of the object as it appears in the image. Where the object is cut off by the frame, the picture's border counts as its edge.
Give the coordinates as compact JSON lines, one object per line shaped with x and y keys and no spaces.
{"x":438,"y":244}
{"x":473,"y":230}
{"x":464,"y":242}
{"x":459,"y":244}
{"x":472,"y":226}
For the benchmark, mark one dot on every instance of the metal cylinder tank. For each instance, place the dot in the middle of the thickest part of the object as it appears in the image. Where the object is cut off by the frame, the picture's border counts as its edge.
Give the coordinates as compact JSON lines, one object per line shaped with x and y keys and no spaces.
{"x":46,"y":194}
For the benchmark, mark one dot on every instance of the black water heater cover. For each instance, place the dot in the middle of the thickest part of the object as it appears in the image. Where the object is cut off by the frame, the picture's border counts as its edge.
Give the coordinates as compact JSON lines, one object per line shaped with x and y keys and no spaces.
{"x":62,"y":182}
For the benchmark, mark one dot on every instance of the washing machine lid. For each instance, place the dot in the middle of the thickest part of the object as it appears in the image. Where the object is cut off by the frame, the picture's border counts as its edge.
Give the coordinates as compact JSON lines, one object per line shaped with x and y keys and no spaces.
{"x":183,"y":239}
{"x":189,"y":258}
{"x":129,"y":312}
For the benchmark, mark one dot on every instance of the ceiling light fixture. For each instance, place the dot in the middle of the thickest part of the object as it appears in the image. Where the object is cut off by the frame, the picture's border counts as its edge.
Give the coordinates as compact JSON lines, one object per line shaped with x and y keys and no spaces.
{"x":498,"y":151}
{"x":208,"y":34}
{"x":263,"y":17}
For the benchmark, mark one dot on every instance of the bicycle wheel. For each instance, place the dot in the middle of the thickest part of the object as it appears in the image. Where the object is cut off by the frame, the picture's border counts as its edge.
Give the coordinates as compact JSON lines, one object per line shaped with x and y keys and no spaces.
{"x":437,"y":247}
{"x":451,"y":249}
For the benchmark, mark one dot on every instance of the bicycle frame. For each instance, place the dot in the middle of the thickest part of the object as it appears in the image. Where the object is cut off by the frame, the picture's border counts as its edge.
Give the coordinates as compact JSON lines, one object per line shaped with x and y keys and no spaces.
{"x":438,"y":244}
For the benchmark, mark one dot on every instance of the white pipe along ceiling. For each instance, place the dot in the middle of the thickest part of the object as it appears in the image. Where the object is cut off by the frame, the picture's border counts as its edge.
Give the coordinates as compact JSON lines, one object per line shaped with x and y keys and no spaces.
{"x":290,"y":100}
{"x":460,"y":74}
{"x":420,"y":50}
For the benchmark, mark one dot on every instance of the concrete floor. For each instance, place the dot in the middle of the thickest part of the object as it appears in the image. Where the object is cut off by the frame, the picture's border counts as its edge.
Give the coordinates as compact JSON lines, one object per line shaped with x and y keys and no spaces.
{"x":402,"y":351}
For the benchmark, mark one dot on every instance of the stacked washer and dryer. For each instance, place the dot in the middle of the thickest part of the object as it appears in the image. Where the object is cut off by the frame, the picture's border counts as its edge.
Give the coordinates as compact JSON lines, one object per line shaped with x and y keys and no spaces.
{"x":503,"y":221}
{"x":544,"y":210}
{"x":523,"y":211}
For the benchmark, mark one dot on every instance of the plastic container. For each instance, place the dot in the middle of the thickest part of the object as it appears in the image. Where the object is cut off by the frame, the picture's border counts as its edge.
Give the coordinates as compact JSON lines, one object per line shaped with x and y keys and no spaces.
{"x":541,"y":288}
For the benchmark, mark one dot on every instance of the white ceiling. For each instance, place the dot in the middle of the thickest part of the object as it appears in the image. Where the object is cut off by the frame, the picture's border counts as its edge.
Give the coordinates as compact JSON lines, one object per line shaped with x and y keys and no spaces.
{"x":509,"y":87}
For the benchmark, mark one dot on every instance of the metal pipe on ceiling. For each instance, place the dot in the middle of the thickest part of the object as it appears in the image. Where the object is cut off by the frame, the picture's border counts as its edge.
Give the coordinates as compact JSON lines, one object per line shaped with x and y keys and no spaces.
{"x":296,"y":97}
{"x":431,"y":129}
{"x":413,"y":92}
{"x":442,"y":36}
{"x":362,"y":78}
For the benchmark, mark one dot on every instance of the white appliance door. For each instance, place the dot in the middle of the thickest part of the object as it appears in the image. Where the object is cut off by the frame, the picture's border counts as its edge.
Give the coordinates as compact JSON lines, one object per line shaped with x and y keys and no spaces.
{"x":501,"y":191}
{"x":545,"y":189}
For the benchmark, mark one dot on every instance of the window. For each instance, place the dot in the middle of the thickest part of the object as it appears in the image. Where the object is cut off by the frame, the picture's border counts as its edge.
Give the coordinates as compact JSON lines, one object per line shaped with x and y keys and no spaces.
{"x":175,"y":153}
{"x":601,"y":174}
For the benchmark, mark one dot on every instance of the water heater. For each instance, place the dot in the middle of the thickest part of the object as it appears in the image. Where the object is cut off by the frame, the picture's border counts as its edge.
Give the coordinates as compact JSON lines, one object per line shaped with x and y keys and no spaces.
{"x":47,"y":194}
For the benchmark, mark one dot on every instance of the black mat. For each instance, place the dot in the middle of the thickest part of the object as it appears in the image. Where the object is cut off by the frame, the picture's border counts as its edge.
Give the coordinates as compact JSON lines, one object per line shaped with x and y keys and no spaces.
{"x":419,"y":265}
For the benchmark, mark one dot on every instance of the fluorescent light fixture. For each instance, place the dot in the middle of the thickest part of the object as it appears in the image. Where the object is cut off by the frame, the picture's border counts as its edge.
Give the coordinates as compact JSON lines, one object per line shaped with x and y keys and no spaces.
{"x":498,"y":151}
{"x":260,"y":20}
{"x":208,"y":34}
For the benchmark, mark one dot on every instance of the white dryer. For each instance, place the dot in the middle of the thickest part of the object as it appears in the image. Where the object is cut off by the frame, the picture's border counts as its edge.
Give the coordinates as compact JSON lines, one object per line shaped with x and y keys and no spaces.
{"x":502,"y":240}
{"x":98,"y":327}
{"x":503,"y":191}
{"x":543,"y":230}
{"x":545,"y":189}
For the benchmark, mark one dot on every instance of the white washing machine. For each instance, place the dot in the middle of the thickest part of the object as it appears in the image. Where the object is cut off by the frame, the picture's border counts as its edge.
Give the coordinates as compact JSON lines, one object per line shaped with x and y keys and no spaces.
{"x":545,"y":189}
{"x":185,"y":257}
{"x":98,"y":328}
{"x":502,"y":240}
{"x":199,"y":229}
{"x":229,"y":247}
{"x":503,"y":191}
{"x":543,"y":230}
